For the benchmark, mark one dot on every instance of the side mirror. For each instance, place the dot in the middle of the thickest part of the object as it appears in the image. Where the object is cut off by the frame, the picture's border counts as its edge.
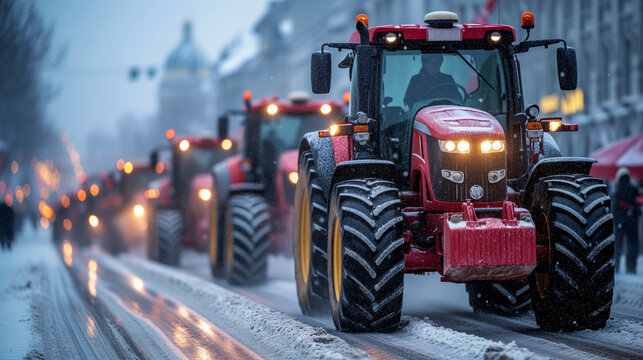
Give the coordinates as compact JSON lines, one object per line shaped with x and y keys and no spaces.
{"x":320,"y":64}
{"x":223,"y":127}
{"x":567,"y":70}
{"x":154,"y":159}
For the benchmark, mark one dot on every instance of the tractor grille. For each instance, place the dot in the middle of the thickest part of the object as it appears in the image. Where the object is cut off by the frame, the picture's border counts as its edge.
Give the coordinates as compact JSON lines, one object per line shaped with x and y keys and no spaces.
{"x":475,"y":165}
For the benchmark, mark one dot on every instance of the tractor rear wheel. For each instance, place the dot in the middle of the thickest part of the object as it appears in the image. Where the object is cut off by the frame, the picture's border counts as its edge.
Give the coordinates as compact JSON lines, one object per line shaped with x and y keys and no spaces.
{"x":310,"y":239}
{"x":246,"y":239}
{"x":573,"y":289}
{"x":169,"y":227}
{"x":366,"y":259}
{"x":507,"y":298}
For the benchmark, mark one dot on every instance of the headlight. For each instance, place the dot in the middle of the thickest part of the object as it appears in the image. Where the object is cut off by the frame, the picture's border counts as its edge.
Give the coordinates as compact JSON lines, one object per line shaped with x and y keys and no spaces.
{"x":205,"y":194}
{"x":490,"y":146}
{"x":451,"y":146}
{"x":184,"y":145}
{"x":93,"y":221}
{"x":293,"y":177}
{"x":139,"y":210}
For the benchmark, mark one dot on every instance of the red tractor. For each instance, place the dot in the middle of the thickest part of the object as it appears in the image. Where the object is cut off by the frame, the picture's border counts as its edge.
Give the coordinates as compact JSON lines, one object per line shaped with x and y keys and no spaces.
{"x":180,"y":201}
{"x":440,"y":168}
{"x":254,"y":191}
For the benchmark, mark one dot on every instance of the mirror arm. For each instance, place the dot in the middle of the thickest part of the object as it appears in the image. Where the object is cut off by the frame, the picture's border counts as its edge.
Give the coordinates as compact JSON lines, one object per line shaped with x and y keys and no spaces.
{"x":525,"y":45}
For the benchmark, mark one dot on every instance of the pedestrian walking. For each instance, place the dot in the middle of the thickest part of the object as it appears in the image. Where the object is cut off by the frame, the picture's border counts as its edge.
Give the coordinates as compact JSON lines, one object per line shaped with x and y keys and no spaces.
{"x":7,"y":219}
{"x":626,"y":213}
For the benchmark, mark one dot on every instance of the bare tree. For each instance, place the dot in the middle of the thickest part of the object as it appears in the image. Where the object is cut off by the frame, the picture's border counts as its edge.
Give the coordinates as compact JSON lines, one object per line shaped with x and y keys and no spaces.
{"x":25,"y":50}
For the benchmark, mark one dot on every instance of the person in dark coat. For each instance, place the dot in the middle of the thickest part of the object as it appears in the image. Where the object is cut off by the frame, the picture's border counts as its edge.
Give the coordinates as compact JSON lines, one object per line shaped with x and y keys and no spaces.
{"x":431,"y":83}
{"x":7,"y":219}
{"x":626,"y":213}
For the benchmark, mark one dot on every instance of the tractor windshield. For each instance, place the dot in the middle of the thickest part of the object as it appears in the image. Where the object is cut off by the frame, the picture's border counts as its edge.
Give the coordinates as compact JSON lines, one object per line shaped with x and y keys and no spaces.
{"x":413,"y":79}
{"x":284,"y":132}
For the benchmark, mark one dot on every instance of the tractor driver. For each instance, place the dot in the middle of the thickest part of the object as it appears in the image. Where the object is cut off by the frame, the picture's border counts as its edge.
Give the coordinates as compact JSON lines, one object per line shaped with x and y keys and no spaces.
{"x":431,"y":83}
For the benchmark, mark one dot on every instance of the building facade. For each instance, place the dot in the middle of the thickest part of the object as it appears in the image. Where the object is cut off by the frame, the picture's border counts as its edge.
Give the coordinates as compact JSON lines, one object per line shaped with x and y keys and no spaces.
{"x":186,"y":91}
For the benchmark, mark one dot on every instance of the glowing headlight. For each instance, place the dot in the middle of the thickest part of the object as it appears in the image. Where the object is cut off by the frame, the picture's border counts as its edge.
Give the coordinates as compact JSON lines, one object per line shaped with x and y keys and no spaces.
{"x":93,"y":221}
{"x":489,"y":146}
{"x":495,"y":37}
{"x":139,"y":210}
{"x":451,"y":146}
{"x":325,"y":109}
{"x":226,"y":144}
{"x":390,"y":38}
{"x":205,"y":194}
{"x":272,"y":109}
{"x":333,"y":129}
{"x":293,"y":177}
{"x":554,"y":125}
{"x":184,"y":145}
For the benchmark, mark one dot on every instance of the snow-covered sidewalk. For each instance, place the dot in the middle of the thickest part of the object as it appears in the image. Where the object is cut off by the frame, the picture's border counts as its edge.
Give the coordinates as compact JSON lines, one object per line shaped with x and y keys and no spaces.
{"x":23,"y":285}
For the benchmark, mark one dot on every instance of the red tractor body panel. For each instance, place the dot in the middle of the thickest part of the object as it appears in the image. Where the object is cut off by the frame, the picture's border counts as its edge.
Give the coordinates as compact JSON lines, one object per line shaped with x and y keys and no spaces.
{"x":422,"y":32}
{"x":459,"y":122}
{"x":488,"y":248}
{"x":237,"y":175}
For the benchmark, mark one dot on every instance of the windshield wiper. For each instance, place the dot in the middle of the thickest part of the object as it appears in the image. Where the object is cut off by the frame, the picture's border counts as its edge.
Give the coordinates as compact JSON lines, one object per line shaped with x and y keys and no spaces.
{"x":474,"y":69}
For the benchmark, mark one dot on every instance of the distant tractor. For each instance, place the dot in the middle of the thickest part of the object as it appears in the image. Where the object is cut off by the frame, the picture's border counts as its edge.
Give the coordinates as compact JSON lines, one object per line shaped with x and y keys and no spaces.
{"x":254,"y":191}
{"x":179,"y":202}
{"x":440,"y":168}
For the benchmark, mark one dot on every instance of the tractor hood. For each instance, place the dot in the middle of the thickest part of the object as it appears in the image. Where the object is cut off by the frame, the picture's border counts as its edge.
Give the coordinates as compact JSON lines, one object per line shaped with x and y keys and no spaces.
{"x":456,"y":122}
{"x":288,"y":160}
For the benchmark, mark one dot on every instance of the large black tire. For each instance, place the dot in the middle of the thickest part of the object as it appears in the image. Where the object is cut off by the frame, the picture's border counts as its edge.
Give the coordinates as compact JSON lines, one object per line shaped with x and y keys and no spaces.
{"x":507,"y":298}
{"x":573,"y":290}
{"x":169,"y":227}
{"x":365,"y":255}
{"x":246,"y":240}
{"x":216,"y":236}
{"x":152,"y":235}
{"x":310,"y":245}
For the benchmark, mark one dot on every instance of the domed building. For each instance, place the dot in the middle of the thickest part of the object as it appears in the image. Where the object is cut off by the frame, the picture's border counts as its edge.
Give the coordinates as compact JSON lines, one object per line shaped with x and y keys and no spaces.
{"x":186,"y":98}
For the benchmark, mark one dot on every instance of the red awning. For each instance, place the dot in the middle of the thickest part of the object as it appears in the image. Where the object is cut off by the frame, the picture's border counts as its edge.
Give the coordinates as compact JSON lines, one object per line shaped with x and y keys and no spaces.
{"x":624,"y":153}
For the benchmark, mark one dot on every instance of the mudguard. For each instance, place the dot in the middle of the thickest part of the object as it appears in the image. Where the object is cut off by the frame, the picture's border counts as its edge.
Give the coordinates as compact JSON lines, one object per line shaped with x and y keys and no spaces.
{"x":329,"y":172}
{"x":324,"y":156}
{"x":226,"y":174}
{"x":555,"y":166}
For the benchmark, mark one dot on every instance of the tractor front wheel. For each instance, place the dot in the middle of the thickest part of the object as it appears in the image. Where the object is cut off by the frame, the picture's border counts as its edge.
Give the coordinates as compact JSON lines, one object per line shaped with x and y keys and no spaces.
{"x":169,"y":228}
{"x":573,"y":289}
{"x":365,"y":255}
{"x":246,"y":239}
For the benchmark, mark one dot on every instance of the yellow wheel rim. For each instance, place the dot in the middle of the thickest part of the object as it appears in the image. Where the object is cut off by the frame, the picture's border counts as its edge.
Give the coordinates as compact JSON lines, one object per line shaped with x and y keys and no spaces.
{"x":304,"y":237}
{"x":229,"y":240}
{"x":213,"y":232}
{"x":337,"y":259}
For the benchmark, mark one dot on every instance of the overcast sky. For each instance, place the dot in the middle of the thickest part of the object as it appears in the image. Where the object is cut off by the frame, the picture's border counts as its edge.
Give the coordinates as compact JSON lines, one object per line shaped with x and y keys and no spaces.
{"x":103,"y":39}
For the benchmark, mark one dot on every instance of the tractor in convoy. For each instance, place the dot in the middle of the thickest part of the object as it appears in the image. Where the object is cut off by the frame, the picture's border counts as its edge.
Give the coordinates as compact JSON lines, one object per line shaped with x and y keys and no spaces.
{"x":178,"y":210}
{"x":122,"y":206}
{"x":440,"y":167}
{"x":254,"y":191}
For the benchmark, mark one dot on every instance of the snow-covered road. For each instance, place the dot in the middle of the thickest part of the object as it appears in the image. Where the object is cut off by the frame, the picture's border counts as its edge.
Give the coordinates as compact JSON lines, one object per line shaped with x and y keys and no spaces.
{"x":92,"y":305}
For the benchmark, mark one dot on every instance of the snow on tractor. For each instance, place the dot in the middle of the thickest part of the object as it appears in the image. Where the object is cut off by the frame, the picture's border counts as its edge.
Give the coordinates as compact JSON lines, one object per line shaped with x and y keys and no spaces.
{"x":180,"y":201}
{"x":254,"y":191}
{"x":440,"y":168}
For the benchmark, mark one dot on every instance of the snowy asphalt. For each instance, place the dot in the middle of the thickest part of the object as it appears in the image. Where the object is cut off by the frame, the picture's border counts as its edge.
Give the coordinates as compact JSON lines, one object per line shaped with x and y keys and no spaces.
{"x":91,"y":305}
